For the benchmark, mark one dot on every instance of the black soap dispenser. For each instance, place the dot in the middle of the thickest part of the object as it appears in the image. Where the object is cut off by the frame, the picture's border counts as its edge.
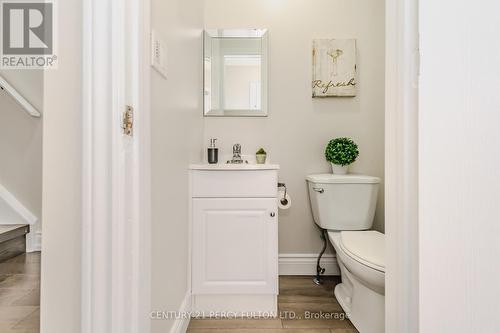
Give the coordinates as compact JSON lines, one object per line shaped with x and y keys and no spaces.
{"x":213,"y":152}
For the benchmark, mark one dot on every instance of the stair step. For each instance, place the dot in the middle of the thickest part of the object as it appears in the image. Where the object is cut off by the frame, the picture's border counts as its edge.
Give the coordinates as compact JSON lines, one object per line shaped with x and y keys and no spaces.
{"x":8,"y":232}
{"x":12,"y":240}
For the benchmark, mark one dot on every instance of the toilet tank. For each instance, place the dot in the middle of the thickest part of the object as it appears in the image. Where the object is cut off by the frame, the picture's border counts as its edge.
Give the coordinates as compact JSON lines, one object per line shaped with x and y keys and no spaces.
{"x":343,"y":202}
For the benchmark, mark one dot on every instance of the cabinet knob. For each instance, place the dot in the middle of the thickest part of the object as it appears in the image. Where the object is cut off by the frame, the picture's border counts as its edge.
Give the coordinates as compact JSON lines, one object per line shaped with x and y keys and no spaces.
{"x":273,"y":214}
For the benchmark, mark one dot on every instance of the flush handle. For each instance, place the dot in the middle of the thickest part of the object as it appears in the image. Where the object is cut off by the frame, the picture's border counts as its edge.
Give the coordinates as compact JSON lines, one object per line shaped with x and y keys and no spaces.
{"x":273,"y":214}
{"x":319,"y":190}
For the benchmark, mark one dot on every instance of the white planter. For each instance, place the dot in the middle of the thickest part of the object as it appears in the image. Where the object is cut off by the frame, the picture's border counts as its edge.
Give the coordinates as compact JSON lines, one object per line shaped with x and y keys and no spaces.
{"x":339,"y":169}
{"x":261,"y":158}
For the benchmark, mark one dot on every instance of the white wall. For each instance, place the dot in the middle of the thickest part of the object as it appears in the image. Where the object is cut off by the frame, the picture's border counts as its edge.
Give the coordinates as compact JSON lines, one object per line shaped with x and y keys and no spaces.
{"x":459,"y":166}
{"x":21,"y":140}
{"x":299,"y":127}
{"x":176,"y":141}
{"x":61,"y":245}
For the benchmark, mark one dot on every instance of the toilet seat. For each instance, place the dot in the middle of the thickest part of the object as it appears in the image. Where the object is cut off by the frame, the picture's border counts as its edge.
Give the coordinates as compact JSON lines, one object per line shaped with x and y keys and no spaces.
{"x":365,"y":247}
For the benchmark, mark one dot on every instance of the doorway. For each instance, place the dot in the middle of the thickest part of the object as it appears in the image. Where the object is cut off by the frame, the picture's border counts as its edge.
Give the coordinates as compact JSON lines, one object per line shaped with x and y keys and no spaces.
{"x":21,"y":126}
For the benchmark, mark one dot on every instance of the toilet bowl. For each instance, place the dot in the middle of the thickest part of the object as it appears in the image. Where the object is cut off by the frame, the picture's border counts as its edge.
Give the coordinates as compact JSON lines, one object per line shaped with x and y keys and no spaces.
{"x":360,"y":255}
{"x":344,"y":205}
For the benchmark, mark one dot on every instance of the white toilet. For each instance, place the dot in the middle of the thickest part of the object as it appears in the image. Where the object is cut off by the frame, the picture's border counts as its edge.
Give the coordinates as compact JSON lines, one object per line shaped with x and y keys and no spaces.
{"x":344,"y":205}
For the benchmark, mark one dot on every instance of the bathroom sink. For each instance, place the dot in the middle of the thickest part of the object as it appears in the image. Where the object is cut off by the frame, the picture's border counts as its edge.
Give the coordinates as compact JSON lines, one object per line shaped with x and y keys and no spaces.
{"x":244,"y":180}
{"x":242,"y":166}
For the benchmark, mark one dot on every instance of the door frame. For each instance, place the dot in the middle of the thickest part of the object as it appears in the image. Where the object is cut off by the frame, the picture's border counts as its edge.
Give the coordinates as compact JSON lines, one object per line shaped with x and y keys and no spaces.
{"x":401,"y":167}
{"x":116,"y":217}
{"x":100,"y":118}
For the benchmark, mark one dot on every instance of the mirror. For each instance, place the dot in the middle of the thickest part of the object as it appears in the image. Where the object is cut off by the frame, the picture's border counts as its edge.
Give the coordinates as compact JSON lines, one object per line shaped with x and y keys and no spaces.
{"x":235,"y":72}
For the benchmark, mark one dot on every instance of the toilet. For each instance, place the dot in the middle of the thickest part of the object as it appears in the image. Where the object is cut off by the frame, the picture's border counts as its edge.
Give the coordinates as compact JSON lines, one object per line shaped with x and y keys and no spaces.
{"x":344,"y":205}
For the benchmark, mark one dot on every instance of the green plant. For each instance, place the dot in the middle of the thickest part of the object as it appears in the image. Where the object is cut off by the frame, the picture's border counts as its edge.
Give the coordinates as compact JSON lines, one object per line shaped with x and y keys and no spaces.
{"x":261,"y":151}
{"x":341,"y":151}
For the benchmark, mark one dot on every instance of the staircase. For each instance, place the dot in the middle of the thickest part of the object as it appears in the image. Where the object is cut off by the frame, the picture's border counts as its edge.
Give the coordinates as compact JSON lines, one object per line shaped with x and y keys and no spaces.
{"x":12,"y":240}
{"x":15,"y":222}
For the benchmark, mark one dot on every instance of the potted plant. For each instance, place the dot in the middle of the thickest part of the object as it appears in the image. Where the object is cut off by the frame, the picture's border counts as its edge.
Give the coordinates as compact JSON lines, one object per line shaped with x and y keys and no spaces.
{"x":341,"y":152}
{"x":260,"y":156}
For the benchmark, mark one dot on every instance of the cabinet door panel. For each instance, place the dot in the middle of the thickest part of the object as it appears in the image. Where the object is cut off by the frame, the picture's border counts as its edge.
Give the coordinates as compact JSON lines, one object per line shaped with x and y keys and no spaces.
{"x":235,"y":246}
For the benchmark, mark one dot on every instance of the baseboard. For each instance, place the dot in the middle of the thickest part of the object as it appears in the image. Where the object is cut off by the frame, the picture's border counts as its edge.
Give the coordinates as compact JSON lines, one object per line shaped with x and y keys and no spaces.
{"x":305,"y":264}
{"x":34,"y":237}
{"x":182,"y":322}
{"x":34,"y":241}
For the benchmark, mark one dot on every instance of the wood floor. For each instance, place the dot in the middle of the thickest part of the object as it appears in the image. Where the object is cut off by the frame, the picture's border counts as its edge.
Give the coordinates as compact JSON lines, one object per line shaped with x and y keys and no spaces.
{"x":20,"y":294}
{"x":299,"y":298}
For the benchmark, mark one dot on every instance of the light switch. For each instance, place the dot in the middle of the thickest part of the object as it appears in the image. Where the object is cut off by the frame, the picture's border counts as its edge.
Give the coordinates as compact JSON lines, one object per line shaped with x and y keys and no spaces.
{"x":158,"y":54}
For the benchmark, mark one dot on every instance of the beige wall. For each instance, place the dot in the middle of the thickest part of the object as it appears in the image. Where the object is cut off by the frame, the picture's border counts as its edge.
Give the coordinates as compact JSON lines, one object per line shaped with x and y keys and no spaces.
{"x":176,"y":141}
{"x":21,"y":140}
{"x":61,"y":253}
{"x":298,"y":127}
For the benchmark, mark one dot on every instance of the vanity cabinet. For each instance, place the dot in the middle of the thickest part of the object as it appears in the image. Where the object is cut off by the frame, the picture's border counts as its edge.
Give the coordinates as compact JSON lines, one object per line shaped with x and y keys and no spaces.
{"x":234,"y":239}
{"x":234,"y":246}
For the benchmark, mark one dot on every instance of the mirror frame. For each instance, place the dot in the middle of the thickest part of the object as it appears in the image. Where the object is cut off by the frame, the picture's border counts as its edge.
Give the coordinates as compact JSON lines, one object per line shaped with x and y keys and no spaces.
{"x":240,"y":33}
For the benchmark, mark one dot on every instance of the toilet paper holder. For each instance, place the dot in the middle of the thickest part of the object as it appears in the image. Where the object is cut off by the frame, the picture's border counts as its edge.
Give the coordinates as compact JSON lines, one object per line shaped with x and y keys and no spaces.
{"x":284,"y":200}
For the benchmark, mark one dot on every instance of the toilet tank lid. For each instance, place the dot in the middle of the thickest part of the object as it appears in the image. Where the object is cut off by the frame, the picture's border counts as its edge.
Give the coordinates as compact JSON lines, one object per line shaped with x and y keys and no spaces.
{"x":352,"y":178}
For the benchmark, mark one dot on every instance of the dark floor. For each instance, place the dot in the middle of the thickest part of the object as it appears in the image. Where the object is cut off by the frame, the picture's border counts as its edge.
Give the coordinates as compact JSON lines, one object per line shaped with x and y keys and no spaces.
{"x":298,"y":295}
{"x":20,"y":294}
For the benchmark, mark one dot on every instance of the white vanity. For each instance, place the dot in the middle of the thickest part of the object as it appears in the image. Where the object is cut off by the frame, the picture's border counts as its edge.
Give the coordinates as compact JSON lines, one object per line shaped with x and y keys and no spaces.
{"x":234,"y":238}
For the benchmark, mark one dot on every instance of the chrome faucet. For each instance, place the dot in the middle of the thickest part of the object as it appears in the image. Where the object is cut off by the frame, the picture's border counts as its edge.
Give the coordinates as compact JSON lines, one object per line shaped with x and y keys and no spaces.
{"x":237,"y":155}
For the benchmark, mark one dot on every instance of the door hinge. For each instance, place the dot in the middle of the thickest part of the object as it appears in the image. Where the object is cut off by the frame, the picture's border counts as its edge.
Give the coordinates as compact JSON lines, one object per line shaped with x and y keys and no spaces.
{"x":128,"y":120}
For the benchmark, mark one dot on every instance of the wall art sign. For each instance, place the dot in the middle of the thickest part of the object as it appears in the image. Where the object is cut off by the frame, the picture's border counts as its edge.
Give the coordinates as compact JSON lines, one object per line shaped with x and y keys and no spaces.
{"x":334,"y":68}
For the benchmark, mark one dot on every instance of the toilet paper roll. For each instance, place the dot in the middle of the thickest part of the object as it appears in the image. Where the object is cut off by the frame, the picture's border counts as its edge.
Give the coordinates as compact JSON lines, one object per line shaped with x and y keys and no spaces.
{"x":284,"y":202}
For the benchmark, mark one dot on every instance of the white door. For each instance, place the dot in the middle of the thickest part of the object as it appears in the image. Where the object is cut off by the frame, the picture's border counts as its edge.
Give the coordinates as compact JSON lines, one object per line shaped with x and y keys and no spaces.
{"x":235,"y":246}
{"x":116,"y":221}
